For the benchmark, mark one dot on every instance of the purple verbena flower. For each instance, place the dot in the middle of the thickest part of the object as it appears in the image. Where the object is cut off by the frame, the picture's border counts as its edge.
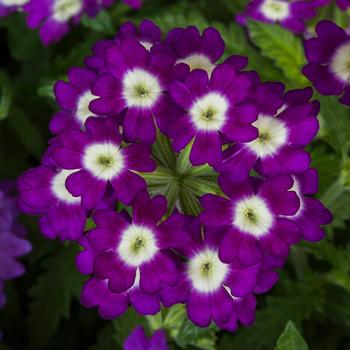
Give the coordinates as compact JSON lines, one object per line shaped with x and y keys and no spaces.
{"x":253,"y":218}
{"x":328,"y":61}
{"x":290,"y":14}
{"x":286,"y":124}
{"x":43,"y":192}
{"x":74,"y":98}
{"x":131,"y":259}
{"x":147,"y":34}
{"x":212,"y":107}
{"x":209,"y":287}
{"x":311,"y":213}
{"x":136,"y":84}
{"x":97,"y":160}
{"x":137,"y":340}
{"x":192,"y":49}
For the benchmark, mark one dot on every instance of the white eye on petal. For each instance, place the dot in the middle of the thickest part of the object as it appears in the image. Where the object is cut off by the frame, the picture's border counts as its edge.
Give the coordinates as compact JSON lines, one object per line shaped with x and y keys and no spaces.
{"x":273,"y":134}
{"x":206,"y":272}
{"x":58,"y":187}
{"x":137,"y":246}
{"x":275,"y":10}
{"x":340,"y":63}
{"x":103,"y":160}
{"x":13,"y":2}
{"x":252,"y":215}
{"x":83,"y":112}
{"x":141,"y":88}
{"x":198,"y":61}
{"x":209,"y":112}
{"x":64,"y":10}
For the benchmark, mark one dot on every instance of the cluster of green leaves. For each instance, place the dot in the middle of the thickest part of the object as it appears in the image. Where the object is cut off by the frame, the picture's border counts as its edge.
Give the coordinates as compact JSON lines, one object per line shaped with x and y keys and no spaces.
{"x":313,"y":295}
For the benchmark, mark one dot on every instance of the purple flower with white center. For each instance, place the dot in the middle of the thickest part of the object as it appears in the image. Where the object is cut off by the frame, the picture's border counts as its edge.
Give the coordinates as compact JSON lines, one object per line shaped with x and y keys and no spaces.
{"x":286,"y":124}
{"x":137,"y":340}
{"x":133,"y":257}
{"x":192,"y":49}
{"x":311,"y":213}
{"x":147,"y":34}
{"x":290,"y":14}
{"x":209,"y":287}
{"x":53,"y":17}
{"x":74,"y":98}
{"x":12,"y":241}
{"x":328,"y":58}
{"x":136,"y":85}
{"x":212,"y":107}
{"x":96,"y":293}
{"x":253,"y":218}
{"x":43,"y":192}
{"x":97,"y":161}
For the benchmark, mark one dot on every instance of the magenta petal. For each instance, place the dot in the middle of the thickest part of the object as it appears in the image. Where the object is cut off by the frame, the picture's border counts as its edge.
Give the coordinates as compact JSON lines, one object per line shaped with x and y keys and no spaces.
{"x":143,"y":303}
{"x":197,"y":309}
{"x":149,"y":278}
{"x":206,"y":148}
{"x":221,"y":305}
{"x":121,"y":278}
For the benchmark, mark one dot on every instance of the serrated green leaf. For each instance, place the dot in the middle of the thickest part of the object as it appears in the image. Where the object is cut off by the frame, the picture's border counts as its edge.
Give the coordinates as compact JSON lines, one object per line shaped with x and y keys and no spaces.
{"x":52,"y":295}
{"x":282,"y":47}
{"x":291,"y":339}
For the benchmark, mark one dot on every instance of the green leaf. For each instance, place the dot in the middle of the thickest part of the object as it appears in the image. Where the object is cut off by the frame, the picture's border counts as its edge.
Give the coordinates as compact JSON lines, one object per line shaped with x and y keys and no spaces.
{"x":201,"y":338}
{"x":52,"y":295}
{"x":5,"y":94}
{"x":297,"y":302}
{"x":335,"y":117}
{"x":282,"y":47}
{"x":291,"y":339}
{"x":27,"y":132}
{"x":101,"y":23}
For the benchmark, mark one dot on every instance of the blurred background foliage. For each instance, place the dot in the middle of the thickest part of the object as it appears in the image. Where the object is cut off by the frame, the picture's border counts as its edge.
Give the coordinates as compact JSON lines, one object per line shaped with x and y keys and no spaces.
{"x":310,"y":306}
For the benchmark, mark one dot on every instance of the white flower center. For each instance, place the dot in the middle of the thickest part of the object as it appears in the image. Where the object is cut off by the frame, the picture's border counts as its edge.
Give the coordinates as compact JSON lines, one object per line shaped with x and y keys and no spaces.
{"x":297,"y":190}
{"x":147,"y":45}
{"x":209,"y":112}
{"x":104,"y":160}
{"x":340,"y":64}
{"x":273,"y":134}
{"x":206,"y":272}
{"x":198,"y":61}
{"x":137,"y":246}
{"x":63,"y":10}
{"x":83,"y":112}
{"x":58,"y":187}
{"x":13,"y":2}
{"x":275,"y":10}
{"x":141,"y":88}
{"x":251,"y":215}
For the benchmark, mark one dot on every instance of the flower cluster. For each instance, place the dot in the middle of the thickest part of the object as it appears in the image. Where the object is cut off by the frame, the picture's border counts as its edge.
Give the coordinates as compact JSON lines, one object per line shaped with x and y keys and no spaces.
{"x":290,"y":14}
{"x":204,"y":135}
{"x":328,"y":57}
{"x":12,"y":238}
{"x":53,"y":17}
